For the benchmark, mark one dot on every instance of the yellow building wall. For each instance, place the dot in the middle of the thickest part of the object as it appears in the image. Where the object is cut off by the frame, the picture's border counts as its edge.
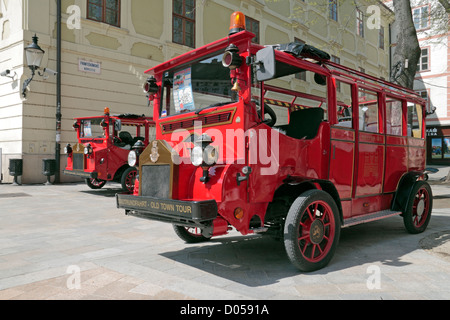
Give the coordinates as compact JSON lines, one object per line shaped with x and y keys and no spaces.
{"x":143,"y":40}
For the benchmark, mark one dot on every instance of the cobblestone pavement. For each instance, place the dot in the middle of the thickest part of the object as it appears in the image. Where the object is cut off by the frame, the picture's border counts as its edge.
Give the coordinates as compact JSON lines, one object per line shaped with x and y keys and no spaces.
{"x":69,"y":242}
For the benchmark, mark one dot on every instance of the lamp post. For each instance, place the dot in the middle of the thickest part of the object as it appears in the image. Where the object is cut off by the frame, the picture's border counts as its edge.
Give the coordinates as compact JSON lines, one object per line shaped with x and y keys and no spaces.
{"x":34,"y":55}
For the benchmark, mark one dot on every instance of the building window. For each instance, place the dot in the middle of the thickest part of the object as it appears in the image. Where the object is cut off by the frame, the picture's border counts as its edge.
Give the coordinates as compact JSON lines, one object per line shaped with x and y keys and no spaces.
{"x":252,"y":25}
{"x":333,"y":8}
{"x":338,"y":61}
{"x":423,"y":94}
{"x":420,"y":17}
{"x":300,"y":75}
{"x":424,"y":62}
{"x":381,"y":38}
{"x":359,"y":23}
{"x":107,"y":11}
{"x":183,"y":31}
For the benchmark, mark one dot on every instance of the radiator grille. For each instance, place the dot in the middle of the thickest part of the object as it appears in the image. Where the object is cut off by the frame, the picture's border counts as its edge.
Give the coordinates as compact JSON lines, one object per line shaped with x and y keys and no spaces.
{"x":205,"y":120}
{"x":78,"y":159}
{"x":155,"y":181}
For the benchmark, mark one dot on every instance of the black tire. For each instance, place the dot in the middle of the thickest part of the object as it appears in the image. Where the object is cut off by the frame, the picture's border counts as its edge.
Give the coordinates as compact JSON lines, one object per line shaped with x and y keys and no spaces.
{"x":128,"y":178}
{"x":312,"y":230}
{"x":417,"y":214}
{"x":189,"y":236}
{"x":95,"y":183}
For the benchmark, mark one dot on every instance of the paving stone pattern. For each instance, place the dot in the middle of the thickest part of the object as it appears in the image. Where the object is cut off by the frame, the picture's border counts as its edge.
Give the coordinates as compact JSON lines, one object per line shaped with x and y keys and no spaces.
{"x":67,"y":242}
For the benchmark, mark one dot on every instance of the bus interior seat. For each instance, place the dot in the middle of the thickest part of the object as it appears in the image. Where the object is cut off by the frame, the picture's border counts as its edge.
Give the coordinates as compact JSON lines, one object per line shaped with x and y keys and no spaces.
{"x":304,"y":123}
{"x":126,"y":137}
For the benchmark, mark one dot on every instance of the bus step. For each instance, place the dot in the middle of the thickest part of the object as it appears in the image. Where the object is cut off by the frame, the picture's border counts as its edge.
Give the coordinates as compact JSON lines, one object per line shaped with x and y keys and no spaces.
{"x":370,"y":217}
{"x":258,"y":230}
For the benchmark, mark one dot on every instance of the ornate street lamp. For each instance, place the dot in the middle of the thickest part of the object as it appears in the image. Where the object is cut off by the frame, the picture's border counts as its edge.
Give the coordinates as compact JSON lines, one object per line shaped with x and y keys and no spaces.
{"x":34,"y":55}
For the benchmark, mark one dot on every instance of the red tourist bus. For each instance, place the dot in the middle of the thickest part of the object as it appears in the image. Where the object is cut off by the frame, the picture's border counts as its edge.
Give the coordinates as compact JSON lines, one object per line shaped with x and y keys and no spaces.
{"x":107,"y":148}
{"x":339,"y":149}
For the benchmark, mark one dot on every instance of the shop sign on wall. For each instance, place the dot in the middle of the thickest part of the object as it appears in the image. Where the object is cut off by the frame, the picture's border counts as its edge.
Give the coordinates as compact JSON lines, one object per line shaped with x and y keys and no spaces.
{"x":431,"y":132}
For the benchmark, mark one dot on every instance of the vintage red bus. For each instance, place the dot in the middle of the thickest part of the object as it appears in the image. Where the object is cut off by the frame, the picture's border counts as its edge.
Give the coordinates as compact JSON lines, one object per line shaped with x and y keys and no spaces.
{"x":339,"y":149}
{"x":108,"y":148}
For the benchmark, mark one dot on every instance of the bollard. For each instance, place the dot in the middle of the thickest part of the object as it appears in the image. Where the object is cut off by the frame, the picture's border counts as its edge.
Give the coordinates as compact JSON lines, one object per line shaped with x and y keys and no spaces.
{"x":15,"y":169}
{"x":48,"y":169}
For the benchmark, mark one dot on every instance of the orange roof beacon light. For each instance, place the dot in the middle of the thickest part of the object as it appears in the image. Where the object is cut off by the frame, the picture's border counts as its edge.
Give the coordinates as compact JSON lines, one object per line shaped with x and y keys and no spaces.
{"x":106,"y":111}
{"x":237,"y":22}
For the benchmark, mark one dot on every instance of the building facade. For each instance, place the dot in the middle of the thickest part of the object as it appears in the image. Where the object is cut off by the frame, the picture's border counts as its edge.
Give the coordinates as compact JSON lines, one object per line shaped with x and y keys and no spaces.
{"x":433,"y":75}
{"x":106,"y":45}
{"x":432,"y":79}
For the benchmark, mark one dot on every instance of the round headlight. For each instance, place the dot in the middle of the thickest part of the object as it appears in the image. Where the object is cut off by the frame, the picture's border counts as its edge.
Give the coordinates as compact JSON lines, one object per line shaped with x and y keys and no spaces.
{"x":88,"y":149}
{"x":132,"y":158}
{"x":197,"y":156}
{"x":210,"y":155}
{"x":68,"y":148}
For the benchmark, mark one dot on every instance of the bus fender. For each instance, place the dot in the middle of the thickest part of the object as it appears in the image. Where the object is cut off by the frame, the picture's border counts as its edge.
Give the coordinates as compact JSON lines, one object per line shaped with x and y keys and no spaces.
{"x":404,"y":188}
{"x":296,"y":189}
{"x":329,"y":188}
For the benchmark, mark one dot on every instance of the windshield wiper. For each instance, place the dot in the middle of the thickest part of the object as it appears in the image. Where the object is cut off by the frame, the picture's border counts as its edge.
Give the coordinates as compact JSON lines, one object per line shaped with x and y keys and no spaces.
{"x":218,"y":104}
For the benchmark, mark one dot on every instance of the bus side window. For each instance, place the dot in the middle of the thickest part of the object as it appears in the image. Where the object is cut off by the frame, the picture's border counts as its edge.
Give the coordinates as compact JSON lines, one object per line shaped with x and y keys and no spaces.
{"x":414,"y":120}
{"x":344,"y":109}
{"x":368,"y":111}
{"x":393,"y":116}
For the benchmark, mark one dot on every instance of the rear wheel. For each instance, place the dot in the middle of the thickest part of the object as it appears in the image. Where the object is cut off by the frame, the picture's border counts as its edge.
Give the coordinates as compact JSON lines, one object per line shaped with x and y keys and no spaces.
{"x":312,"y":230}
{"x":190,"y":234}
{"x":95,"y":183}
{"x":418,"y":210}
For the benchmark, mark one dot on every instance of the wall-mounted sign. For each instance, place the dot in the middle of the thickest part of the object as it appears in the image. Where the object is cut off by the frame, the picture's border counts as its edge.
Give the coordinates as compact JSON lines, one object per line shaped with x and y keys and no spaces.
{"x":431,"y":132}
{"x":89,"y":66}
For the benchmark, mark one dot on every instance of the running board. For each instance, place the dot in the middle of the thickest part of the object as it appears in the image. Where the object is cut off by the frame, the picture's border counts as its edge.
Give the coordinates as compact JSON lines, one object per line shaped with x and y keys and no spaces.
{"x":370,"y":217}
{"x":258,"y":230}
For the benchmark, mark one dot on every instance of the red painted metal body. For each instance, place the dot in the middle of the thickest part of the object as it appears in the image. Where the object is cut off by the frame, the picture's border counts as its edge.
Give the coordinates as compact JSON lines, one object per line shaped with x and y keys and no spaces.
{"x":107,"y":158}
{"x":363,"y":170}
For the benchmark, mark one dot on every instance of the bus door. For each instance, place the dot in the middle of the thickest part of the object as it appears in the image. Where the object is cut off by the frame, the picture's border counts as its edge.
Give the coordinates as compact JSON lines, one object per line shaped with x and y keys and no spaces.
{"x":396,"y":143}
{"x":370,"y":153}
{"x":343,"y":140}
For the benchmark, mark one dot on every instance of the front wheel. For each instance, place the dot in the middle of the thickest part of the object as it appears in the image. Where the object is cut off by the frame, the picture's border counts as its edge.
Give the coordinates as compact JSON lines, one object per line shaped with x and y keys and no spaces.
{"x":95,"y":183}
{"x":128,"y":179}
{"x":418,"y":210}
{"x":190,"y":234}
{"x":312,"y":230}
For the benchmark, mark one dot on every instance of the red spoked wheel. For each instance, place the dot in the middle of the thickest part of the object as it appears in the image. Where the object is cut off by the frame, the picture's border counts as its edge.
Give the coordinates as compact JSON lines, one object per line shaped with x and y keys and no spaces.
{"x":312,"y":230}
{"x":128,"y":179}
{"x":190,"y":234}
{"x":95,"y":183}
{"x":417,"y":214}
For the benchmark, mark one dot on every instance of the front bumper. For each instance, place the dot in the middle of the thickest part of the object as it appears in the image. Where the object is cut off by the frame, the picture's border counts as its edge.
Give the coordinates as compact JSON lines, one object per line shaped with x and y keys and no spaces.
{"x":189,"y":213}
{"x":82,"y":174}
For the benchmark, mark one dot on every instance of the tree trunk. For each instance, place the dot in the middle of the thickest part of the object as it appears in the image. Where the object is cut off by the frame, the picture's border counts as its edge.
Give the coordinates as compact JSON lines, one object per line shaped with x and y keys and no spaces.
{"x":407,"y":49}
{"x":446,"y":5}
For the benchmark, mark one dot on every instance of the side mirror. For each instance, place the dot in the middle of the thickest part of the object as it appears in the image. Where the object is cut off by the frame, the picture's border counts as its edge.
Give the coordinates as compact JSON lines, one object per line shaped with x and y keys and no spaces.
{"x":265,"y":64}
{"x":117,"y":125}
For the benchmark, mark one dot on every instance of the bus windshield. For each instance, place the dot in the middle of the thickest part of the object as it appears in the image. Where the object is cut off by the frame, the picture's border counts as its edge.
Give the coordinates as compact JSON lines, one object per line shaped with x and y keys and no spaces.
{"x":92,"y":128}
{"x":195,"y":86}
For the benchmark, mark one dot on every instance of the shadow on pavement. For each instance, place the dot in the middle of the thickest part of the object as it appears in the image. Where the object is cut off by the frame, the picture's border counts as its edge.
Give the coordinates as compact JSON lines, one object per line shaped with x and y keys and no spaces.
{"x":109,"y":190}
{"x":260,"y":260}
